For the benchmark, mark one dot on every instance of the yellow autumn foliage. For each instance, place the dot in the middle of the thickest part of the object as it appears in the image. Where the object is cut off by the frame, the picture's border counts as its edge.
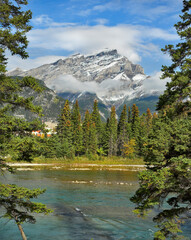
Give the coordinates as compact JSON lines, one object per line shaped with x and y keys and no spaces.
{"x":129,"y":148}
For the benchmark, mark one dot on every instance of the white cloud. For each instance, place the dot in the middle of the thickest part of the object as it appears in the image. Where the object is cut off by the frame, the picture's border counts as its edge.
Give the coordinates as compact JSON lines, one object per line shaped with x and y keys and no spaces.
{"x":46,"y":21}
{"x":155,"y":83}
{"x":101,"y":21}
{"x":26,"y":64}
{"x":128,"y":39}
{"x":110,"y":6}
{"x":68,"y":83}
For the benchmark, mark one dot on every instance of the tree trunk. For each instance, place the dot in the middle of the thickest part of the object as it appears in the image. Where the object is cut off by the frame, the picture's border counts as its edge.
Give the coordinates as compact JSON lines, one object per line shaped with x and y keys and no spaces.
{"x":22,"y":232}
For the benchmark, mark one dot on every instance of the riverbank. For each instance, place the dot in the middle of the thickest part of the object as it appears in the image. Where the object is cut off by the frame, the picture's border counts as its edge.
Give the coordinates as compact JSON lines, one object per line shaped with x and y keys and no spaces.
{"x":76,"y":166}
{"x":81,"y":163}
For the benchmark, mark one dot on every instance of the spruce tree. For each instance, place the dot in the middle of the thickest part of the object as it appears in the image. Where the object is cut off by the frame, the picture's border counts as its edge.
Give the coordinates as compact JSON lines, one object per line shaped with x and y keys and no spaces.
{"x":112,"y":128}
{"x":64,"y":127}
{"x":122,"y":135}
{"x":149,"y":119}
{"x":14,"y":24}
{"x":129,"y":115}
{"x":135,"y":123}
{"x":93,"y":141}
{"x":96,"y":118}
{"x":86,"y":131}
{"x":77,"y":129}
{"x":167,"y":180}
{"x":176,"y":97}
{"x":105,"y":137}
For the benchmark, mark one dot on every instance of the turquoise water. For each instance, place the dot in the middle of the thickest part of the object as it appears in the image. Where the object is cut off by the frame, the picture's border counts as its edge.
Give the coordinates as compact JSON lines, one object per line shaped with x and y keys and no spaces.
{"x":87,"y":205}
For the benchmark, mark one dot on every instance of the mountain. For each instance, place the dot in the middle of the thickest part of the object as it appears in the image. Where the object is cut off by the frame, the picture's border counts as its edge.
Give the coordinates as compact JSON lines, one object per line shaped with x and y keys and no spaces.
{"x":106,"y":76}
{"x":50,"y":102}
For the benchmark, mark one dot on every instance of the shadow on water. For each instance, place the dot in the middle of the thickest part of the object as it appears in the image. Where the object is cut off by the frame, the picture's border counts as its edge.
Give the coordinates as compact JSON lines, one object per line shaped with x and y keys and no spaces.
{"x":80,"y":226}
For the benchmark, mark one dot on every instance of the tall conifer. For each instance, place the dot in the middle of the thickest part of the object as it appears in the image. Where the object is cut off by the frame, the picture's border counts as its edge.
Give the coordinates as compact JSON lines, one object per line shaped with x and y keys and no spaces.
{"x":86,"y":131}
{"x":64,"y":127}
{"x":122,"y":136}
{"x":77,"y":129}
{"x":112,"y":150}
{"x":166,"y":184}
{"x":96,"y":118}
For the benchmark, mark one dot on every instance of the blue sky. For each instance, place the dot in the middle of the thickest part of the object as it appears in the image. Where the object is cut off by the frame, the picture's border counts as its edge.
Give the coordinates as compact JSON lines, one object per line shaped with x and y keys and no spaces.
{"x":138,"y":29}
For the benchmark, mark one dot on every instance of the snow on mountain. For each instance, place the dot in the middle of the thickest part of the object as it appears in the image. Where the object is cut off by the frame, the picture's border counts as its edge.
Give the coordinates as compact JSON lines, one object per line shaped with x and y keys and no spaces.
{"x":112,"y":77}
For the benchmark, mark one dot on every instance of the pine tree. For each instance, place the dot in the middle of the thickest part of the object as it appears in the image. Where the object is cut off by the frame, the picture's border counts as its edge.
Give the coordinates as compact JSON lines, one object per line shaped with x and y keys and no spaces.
{"x":135,"y":122}
{"x":167,"y":180}
{"x":105,"y":137}
{"x":176,"y":98}
{"x":86,"y":131}
{"x":93,"y":146}
{"x":64,"y":127}
{"x":122,"y":135}
{"x":14,"y":24}
{"x":135,"y":113}
{"x":112,"y":149}
{"x":129,"y":115}
{"x":149,"y":119}
{"x":95,"y":116}
{"x":77,"y":129}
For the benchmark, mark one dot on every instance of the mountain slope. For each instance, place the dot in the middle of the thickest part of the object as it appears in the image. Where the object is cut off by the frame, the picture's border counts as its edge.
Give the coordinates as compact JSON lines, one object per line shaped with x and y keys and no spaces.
{"x":106,"y":76}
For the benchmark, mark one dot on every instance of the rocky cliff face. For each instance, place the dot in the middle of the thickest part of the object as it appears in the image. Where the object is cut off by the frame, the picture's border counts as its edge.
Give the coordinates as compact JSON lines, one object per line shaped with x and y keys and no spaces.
{"x":107,"y":76}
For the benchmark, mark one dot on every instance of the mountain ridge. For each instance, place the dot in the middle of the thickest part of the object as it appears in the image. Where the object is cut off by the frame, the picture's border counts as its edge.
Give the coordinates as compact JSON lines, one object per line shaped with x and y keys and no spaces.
{"x":106,"y":76}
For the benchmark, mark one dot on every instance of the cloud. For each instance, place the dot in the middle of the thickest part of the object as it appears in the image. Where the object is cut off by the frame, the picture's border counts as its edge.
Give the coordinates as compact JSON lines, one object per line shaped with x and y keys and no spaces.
{"x":101,"y":21}
{"x":108,"y":87}
{"x":110,"y":6}
{"x":69,"y":83}
{"x":129,"y":40}
{"x":152,"y":9}
{"x":26,"y":64}
{"x":46,"y":21}
{"x":155,"y":83}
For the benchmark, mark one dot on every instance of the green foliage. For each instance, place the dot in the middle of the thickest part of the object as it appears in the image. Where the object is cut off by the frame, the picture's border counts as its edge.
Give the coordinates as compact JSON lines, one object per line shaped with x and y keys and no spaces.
{"x":14,"y":25}
{"x":77,"y":129}
{"x":24,"y":149}
{"x":18,"y":205}
{"x":176,"y":98}
{"x":96,"y":118}
{"x":122,"y":133}
{"x":14,"y":133}
{"x":167,"y":180}
{"x":112,"y":133}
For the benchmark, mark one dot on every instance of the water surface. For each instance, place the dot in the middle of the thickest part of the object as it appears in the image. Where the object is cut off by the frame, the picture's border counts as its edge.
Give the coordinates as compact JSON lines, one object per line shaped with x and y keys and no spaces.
{"x":87,"y":205}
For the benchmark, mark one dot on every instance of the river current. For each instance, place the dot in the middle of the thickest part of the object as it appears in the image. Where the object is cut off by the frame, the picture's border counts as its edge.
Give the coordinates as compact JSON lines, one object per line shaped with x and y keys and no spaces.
{"x":88,"y":205}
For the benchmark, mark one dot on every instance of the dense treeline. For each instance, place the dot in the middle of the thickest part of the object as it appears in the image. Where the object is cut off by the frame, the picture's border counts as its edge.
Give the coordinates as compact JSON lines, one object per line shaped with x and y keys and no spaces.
{"x":125,"y":136}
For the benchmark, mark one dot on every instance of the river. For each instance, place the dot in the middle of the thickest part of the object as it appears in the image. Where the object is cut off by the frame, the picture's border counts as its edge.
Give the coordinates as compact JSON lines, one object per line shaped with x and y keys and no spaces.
{"x":88,"y":205}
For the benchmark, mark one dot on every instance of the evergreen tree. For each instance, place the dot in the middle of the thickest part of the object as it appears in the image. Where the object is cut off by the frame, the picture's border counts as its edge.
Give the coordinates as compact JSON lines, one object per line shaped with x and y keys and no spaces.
{"x":122,"y":136}
{"x":135,"y":113}
{"x":86,"y":131}
{"x":77,"y":129}
{"x":149,"y":119}
{"x":129,"y":115}
{"x":14,"y":24}
{"x":136,"y":124}
{"x":105,"y":137}
{"x":93,"y":146}
{"x":95,"y":116}
{"x":112,"y":144}
{"x":176,"y":98}
{"x":167,"y":180}
{"x":64,"y":127}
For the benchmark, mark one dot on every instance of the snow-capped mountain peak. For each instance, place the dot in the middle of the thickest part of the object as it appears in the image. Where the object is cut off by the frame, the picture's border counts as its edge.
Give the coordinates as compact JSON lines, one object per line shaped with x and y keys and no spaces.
{"x":111,"y":76}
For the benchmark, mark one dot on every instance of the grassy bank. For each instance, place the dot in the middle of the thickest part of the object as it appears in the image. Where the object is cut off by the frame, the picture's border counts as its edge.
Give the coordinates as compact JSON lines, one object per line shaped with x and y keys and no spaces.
{"x":93,"y":160}
{"x":81,"y":163}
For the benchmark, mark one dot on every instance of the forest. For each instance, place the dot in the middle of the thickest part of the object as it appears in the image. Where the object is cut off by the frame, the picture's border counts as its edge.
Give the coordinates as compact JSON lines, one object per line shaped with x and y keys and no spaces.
{"x":162,"y":138}
{"x":126,"y":136}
